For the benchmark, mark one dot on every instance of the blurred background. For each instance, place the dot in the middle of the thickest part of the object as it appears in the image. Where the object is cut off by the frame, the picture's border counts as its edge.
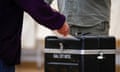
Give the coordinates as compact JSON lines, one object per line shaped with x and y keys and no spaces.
{"x":33,"y":40}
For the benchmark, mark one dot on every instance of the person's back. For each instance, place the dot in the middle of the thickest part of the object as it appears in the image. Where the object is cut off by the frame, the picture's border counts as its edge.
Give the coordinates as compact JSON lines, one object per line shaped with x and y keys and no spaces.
{"x":10,"y":29}
{"x":83,"y":15}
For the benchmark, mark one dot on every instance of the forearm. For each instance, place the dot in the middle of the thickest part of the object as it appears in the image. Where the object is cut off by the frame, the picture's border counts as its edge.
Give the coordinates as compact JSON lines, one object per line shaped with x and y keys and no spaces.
{"x":42,"y":13}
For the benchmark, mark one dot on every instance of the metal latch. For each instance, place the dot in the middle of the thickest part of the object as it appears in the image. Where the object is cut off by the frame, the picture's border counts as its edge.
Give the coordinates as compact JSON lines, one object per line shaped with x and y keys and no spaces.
{"x":61,"y":46}
{"x":101,"y":55}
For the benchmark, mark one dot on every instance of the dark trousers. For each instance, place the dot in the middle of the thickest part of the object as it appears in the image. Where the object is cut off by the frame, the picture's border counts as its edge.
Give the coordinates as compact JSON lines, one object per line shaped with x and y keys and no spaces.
{"x":6,"y":68}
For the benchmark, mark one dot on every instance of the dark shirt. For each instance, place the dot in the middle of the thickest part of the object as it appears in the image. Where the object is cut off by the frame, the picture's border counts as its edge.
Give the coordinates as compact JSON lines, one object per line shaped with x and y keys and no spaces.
{"x":11,"y":18}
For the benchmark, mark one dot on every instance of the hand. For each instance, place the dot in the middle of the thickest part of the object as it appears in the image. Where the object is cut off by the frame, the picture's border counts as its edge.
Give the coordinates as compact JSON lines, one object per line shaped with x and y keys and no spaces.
{"x":64,"y":30}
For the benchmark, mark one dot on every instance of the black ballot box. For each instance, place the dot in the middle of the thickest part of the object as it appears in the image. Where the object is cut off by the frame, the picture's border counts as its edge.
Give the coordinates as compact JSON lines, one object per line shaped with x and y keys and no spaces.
{"x":82,"y":54}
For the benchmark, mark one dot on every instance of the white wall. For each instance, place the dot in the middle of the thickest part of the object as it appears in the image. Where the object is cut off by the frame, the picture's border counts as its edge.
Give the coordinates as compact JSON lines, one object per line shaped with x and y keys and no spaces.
{"x":28,"y":32}
{"x":115,"y":19}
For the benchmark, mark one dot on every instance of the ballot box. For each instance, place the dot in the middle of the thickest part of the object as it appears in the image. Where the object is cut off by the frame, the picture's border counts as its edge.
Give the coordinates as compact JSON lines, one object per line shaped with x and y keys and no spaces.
{"x":81,"y":54}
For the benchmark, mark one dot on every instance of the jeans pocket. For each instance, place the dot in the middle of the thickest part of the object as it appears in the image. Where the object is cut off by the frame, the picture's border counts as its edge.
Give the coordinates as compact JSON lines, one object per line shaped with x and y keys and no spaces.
{"x":104,"y":26}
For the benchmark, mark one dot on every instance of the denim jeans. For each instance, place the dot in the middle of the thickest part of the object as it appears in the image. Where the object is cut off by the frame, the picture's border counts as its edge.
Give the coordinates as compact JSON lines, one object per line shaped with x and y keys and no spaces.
{"x":6,"y":68}
{"x":97,"y":30}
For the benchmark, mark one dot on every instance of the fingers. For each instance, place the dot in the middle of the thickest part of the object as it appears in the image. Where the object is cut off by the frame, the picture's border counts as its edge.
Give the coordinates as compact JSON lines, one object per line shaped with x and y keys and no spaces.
{"x":64,"y":30}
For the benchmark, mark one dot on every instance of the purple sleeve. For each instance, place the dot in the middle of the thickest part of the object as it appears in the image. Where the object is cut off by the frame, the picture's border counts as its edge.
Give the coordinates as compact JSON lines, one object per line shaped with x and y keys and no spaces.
{"x":42,"y":13}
